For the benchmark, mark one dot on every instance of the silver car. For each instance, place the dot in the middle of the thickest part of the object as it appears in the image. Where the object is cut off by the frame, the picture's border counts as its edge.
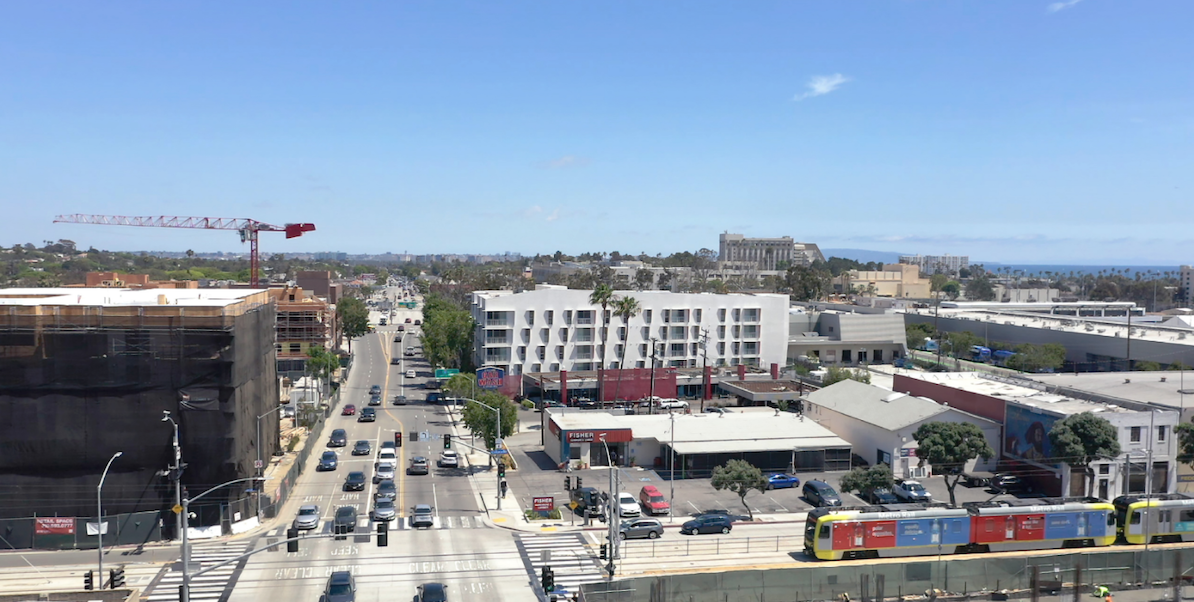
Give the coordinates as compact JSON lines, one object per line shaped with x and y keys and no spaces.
{"x":384,"y":472}
{"x":449,"y":459}
{"x":640,"y":527}
{"x":384,"y":509}
{"x":423,"y":516}
{"x":307,"y":518}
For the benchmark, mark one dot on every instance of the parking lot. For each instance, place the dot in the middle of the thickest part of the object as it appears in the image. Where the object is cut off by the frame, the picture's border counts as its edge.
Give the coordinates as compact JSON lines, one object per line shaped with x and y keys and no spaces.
{"x":537,"y":475}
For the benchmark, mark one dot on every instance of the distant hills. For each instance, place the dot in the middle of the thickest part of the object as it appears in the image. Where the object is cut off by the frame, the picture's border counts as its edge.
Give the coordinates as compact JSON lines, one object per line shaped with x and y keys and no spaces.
{"x":863,"y":255}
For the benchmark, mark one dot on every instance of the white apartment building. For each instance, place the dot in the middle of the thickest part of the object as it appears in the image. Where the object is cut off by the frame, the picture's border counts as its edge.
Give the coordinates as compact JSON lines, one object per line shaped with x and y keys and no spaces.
{"x":937,"y":264}
{"x":553,"y":328}
{"x":1186,"y":284}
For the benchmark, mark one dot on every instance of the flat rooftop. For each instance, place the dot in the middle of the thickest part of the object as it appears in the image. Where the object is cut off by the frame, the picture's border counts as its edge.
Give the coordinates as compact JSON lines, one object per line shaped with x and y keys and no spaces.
{"x":1159,"y":387}
{"x":712,"y":433}
{"x":1087,"y":325}
{"x":1026,"y":396}
{"x":124,"y":297}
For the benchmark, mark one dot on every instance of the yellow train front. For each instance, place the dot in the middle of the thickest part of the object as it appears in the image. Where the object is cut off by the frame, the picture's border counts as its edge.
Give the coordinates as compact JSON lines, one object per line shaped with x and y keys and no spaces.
{"x":922,"y":530}
{"x":1156,"y":518}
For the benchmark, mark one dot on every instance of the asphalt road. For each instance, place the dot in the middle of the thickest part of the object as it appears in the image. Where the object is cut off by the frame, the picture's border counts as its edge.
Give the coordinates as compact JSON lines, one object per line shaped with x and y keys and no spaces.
{"x":478,"y":562}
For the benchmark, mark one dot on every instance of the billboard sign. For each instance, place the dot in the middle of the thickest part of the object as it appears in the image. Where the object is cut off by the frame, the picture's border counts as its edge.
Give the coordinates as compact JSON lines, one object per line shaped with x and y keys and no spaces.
{"x":491,"y":378}
{"x":55,"y":526}
{"x":1026,"y":434}
{"x":543,"y":504}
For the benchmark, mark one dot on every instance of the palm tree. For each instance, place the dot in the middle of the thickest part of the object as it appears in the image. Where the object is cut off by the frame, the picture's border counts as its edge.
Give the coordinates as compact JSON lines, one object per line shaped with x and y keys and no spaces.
{"x":625,"y":308}
{"x":603,"y":295}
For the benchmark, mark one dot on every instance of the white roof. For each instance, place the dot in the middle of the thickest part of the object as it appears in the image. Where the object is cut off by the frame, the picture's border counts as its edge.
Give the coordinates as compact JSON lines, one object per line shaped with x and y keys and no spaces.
{"x":878,"y":406}
{"x":1026,"y":396}
{"x":124,"y":297}
{"x":713,"y":433}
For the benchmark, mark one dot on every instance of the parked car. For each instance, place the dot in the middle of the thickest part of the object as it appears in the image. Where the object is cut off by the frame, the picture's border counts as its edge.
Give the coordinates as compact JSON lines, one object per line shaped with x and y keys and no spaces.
{"x":362,"y":448}
{"x":432,"y":592}
{"x":383,"y":472}
{"x":819,"y":493}
{"x":384,"y":510}
{"x":708,"y":523}
{"x":307,"y":517}
{"x":653,"y":501}
{"x":367,"y":415}
{"x":639,"y":528}
{"x":346,"y":516}
{"x":338,"y":438}
{"x":340,"y":588}
{"x":386,"y":490}
{"x":375,"y":390}
{"x":348,"y":410}
{"x":355,"y":481}
{"x":327,"y":461}
{"x":673,"y":404}
{"x":423,"y":516}
{"x":909,"y":490}
{"x":627,"y":505}
{"x":782,"y":481}
{"x":716,"y":410}
{"x":879,"y":496}
{"x":1010,"y":483}
{"x":449,"y":459}
{"x":418,"y":465}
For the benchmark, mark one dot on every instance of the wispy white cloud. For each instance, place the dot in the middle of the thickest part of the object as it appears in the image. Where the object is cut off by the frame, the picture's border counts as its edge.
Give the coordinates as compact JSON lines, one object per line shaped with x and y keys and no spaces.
{"x":1064,"y":4}
{"x":565,"y":162}
{"x":822,"y":84}
{"x":555,"y":215}
{"x":532,"y":211}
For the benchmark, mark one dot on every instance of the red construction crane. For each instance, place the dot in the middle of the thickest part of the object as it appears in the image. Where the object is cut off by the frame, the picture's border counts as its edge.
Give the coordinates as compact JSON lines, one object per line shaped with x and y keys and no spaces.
{"x":248,"y":228}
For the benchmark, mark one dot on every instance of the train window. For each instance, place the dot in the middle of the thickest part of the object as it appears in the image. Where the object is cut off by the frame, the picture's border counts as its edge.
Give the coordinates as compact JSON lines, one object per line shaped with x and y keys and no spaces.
{"x":824,"y":534}
{"x":1110,"y":519}
{"x":1134,"y":519}
{"x":1187,"y":516}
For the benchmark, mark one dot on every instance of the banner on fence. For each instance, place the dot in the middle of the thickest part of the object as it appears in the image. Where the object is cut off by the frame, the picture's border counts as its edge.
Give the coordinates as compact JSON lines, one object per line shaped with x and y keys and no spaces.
{"x":56,"y":526}
{"x":97,"y":528}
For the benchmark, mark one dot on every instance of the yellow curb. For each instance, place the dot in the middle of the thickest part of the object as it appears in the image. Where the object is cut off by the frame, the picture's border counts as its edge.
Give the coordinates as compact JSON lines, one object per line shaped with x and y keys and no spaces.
{"x":547,"y":529}
{"x":499,"y":520}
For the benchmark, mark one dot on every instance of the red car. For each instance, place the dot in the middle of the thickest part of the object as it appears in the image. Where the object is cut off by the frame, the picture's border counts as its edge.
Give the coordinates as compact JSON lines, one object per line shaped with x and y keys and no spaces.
{"x":349,"y":410}
{"x":408,"y":320}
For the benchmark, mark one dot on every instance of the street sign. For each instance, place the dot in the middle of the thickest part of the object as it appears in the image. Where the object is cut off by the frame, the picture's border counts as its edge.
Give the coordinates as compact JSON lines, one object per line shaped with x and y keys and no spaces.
{"x":445,"y":372}
{"x":177,"y":509}
{"x":258,"y":464}
{"x":543,"y":504}
{"x":499,"y":452}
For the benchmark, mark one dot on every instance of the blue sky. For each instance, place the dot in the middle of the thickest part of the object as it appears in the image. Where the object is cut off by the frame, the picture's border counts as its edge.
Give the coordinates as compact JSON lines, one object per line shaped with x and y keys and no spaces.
{"x":1014,"y":131}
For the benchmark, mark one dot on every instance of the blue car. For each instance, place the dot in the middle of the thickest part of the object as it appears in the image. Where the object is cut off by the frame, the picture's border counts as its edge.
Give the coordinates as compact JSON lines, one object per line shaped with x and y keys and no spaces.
{"x":782,"y":481}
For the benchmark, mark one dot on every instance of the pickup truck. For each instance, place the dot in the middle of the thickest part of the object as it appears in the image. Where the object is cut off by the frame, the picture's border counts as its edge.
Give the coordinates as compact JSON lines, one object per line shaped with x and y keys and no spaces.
{"x":909,"y":490}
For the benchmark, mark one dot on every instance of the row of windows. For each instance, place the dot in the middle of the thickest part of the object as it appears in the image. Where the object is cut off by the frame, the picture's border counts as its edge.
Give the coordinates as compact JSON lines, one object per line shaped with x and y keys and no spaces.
{"x":688,"y":363}
{"x":585,"y":335}
{"x":588,"y":316}
{"x":585,"y":352}
{"x":1136,"y":431}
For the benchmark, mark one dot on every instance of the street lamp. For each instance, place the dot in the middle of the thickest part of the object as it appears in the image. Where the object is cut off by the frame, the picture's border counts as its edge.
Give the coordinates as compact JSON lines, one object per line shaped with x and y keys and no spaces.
{"x":260,"y":460}
{"x":186,"y":550}
{"x":177,"y":470}
{"x":99,"y":516}
{"x":496,"y":440}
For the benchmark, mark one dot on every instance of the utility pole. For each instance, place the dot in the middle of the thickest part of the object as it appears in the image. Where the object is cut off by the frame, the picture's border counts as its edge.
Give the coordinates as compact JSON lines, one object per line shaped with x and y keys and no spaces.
{"x":704,"y":365}
{"x":651,"y":399}
{"x":176,"y":474}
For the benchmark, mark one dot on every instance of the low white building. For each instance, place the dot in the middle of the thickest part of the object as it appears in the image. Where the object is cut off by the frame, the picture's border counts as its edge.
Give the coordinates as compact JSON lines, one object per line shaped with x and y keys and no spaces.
{"x":553,"y":328}
{"x":879,"y":424}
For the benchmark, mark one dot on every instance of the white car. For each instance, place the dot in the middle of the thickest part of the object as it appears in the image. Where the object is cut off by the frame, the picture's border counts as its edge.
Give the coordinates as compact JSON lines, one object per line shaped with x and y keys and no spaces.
{"x":411,"y":374}
{"x":628,"y":505}
{"x":911,"y":491}
{"x":449,"y":459}
{"x":387,"y":457}
{"x":673,"y":404}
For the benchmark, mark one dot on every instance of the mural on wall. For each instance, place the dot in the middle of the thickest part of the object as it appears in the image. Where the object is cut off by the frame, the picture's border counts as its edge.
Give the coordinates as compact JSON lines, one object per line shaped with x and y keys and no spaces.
{"x":1026,"y":434}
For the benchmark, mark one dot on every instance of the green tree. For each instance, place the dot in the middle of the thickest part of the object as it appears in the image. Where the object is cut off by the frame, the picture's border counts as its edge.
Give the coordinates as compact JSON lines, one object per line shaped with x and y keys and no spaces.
{"x":917,"y":333}
{"x":461,"y":384}
{"x":958,"y":344}
{"x":948,"y":446}
{"x":643,"y":279}
{"x":980,"y":288}
{"x":807,"y":283}
{"x":740,"y":477}
{"x":447,"y":333}
{"x":1038,"y":358}
{"x":1185,"y":443}
{"x":353,"y":317}
{"x":1146,"y":366}
{"x":866,"y":479}
{"x":835,"y":374}
{"x":1079,"y":439}
{"x":603,"y":295}
{"x":952,"y":289}
{"x":937,"y":282}
{"x":625,"y":308}
{"x":321,"y":363}
{"x":483,"y":422}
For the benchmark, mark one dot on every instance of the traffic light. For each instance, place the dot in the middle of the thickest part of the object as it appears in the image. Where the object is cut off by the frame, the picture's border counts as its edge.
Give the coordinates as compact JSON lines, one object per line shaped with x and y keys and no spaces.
{"x":383,"y":534}
{"x":116,"y":577}
{"x":605,"y":551}
{"x":501,"y":470}
{"x":578,"y":482}
{"x":567,"y":483}
{"x":341,"y":532}
{"x":447,"y":441}
{"x":292,"y":534}
{"x":397,"y":439}
{"x":88,"y":583}
{"x":547,"y":578}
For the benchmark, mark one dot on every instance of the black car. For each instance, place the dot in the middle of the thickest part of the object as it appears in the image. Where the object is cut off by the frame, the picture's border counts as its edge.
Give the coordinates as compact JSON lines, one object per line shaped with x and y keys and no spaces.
{"x":375,"y":400}
{"x":346,"y":516}
{"x":1010,"y":483}
{"x":340,"y":588}
{"x":708,"y":523}
{"x":338,"y":438}
{"x":327,"y":461}
{"x":355,"y":481}
{"x":362,"y":448}
{"x":433,"y":592}
{"x":819,"y":493}
{"x":386,"y":490}
{"x":367,"y":415}
{"x":879,"y":496}
{"x":375,"y":390}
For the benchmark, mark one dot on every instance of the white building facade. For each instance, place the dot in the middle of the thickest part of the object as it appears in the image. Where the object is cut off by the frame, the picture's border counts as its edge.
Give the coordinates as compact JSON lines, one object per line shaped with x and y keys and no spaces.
{"x":937,"y":264}
{"x":553,"y":328}
{"x":1186,"y":284}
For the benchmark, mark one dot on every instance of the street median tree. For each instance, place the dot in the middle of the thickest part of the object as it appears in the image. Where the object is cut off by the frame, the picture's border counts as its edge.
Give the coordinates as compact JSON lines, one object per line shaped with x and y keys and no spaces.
{"x":740,"y":477}
{"x":482,"y":421}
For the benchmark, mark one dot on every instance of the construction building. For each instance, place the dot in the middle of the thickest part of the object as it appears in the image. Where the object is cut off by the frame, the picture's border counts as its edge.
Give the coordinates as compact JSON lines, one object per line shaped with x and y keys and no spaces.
{"x":304,"y":321}
{"x":87,"y":372}
{"x":118,"y":280}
